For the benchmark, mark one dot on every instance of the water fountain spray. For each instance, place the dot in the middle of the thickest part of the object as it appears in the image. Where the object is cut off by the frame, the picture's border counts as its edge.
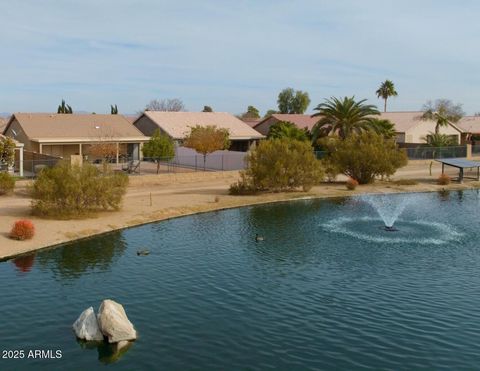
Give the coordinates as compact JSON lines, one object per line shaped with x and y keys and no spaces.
{"x":388,"y":207}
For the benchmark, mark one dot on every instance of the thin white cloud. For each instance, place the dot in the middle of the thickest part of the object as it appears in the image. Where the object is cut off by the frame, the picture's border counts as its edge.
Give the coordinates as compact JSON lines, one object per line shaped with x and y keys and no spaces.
{"x":232,"y":54}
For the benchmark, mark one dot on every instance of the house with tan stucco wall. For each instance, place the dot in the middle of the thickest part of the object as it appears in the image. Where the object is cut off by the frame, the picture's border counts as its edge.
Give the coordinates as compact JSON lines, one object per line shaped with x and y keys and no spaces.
{"x":410,"y":128}
{"x":63,"y":135}
{"x":177,"y":125}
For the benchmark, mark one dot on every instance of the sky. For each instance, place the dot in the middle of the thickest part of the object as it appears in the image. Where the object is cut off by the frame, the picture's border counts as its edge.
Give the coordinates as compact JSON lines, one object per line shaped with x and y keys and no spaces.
{"x":231,"y":54}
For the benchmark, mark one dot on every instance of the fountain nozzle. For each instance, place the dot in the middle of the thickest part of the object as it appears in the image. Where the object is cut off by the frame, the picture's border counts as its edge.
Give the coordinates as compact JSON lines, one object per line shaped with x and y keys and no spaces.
{"x":390,"y":228}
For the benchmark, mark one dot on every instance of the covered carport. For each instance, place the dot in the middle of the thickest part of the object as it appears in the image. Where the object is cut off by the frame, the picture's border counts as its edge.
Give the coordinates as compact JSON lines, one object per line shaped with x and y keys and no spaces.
{"x":461,"y":164}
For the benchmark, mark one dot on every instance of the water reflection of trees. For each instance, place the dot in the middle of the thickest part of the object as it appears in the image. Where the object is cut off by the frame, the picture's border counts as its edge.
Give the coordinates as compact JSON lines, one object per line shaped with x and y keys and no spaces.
{"x":283,"y":214}
{"x":290,"y":231}
{"x":445,"y":194}
{"x":75,"y":259}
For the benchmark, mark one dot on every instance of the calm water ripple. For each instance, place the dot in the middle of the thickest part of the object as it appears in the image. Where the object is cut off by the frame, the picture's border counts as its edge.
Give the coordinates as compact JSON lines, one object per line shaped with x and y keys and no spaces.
{"x":327,"y":289}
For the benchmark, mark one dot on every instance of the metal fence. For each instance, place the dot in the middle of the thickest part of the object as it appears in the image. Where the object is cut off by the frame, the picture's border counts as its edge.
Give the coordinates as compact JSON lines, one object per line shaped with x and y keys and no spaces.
{"x":428,"y":153}
{"x":476,"y":149}
{"x":31,"y":168}
{"x":212,"y":162}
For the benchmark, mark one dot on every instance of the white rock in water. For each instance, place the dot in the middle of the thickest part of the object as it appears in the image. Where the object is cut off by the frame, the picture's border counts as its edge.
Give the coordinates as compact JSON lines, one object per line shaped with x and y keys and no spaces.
{"x":86,"y":326}
{"x":114,"y":323}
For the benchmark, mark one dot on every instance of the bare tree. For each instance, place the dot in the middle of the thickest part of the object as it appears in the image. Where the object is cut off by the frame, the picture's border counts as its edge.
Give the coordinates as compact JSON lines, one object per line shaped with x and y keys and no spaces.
{"x":104,"y":146}
{"x":172,"y":105}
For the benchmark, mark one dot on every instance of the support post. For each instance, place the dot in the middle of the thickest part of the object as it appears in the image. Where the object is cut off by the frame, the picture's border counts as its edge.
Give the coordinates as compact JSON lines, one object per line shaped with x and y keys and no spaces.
{"x":40,"y":148}
{"x":80,"y":149}
{"x":20,"y":165}
{"x":469,"y":150}
{"x":460,"y":175}
{"x":140,"y":151}
{"x":118,"y":150}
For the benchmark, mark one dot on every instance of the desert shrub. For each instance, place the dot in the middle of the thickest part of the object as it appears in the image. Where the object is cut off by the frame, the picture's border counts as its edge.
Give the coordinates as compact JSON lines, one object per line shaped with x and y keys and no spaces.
{"x":242,"y":187}
{"x":22,"y":230}
{"x":7,"y":150}
{"x":281,"y":164}
{"x":331,"y":169}
{"x":351,"y":184}
{"x":69,"y":191}
{"x":367,"y":155}
{"x":160,"y":148}
{"x":405,"y":182}
{"x":444,"y":179}
{"x":7,"y":183}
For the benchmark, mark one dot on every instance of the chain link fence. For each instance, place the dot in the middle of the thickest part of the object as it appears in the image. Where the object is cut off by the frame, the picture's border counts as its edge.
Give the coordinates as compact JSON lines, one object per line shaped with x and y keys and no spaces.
{"x":430,"y":153}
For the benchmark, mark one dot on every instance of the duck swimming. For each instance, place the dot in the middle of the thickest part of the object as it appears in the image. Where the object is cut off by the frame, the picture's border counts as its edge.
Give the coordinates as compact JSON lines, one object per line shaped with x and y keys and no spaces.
{"x":143,"y":252}
{"x":258,"y":238}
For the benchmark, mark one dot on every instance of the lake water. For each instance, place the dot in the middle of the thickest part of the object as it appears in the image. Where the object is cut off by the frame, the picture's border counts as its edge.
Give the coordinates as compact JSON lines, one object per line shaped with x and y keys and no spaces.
{"x":328,"y":288}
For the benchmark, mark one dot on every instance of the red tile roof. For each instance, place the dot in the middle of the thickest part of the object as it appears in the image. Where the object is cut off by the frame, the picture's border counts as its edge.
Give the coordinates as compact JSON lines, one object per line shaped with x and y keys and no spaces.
{"x":251,"y":123}
{"x":301,"y":121}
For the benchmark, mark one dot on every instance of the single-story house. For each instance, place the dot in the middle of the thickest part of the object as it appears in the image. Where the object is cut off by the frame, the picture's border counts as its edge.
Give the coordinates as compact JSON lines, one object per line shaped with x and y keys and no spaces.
{"x":409,"y":126}
{"x":177,"y":125}
{"x":471,"y":126}
{"x":64,"y":135}
{"x":411,"y":129}
{"x":301,"y":121}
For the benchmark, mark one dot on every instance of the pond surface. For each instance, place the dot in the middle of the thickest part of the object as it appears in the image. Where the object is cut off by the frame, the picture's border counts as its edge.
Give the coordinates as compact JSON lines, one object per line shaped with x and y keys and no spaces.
{"x":328,"y":288}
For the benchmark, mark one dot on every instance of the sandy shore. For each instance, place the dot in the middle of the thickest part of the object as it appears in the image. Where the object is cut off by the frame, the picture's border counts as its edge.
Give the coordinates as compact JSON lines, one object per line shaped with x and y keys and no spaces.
{"x":158,"y":197}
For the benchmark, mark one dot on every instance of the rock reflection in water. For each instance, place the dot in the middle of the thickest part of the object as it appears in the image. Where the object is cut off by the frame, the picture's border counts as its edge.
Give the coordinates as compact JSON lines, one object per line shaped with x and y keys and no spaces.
{"x":96,"y":254}
{"x":107,"y":353}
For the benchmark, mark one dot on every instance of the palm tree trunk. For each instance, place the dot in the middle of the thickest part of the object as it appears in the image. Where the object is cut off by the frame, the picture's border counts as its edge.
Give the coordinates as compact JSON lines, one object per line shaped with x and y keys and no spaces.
{"x":437,"y":129}
{"x":385,"y":106}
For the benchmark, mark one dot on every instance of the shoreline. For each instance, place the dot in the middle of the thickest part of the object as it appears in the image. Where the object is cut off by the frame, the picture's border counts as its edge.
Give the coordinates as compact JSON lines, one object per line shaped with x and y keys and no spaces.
{"x":163,"y":198}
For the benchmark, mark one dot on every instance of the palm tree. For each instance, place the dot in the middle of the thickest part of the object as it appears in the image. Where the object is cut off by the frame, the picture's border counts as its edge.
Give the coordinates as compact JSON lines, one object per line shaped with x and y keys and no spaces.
{"x":64,"y":108}
{"x":343,"y":117}
{"x":442,"y":112}
{"x":439,"y":140}
{"x":113,"y":109}
{"x":285,"y":129}
{"x":386,"y":90}
{"x":385,"y":128}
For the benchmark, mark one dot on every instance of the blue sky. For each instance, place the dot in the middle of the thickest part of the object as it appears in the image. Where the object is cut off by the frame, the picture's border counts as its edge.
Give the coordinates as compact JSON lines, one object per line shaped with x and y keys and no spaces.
{"x":231,"y":54}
